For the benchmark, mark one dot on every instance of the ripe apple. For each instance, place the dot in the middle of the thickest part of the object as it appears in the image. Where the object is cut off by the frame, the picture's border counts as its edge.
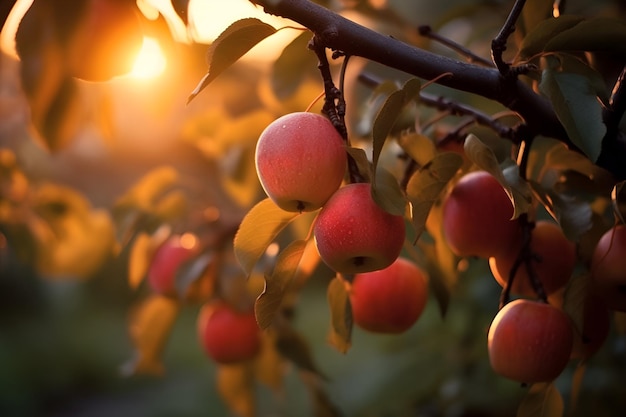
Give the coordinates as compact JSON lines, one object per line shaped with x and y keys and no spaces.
{"x":608,"y":268}
{"x":167,"y":260}
{"x":477,"y":217}
{"x":228,"y":335}
{"x":530,"y":341}
{"x":353,"y":234}
{"x":105,"y":40}
{"x":389,"y":300}
{"x":301,"y":161}
{"x":554,"y":265}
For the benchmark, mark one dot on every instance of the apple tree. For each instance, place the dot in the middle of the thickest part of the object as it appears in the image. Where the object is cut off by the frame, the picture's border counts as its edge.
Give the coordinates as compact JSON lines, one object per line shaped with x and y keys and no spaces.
{"x":445,"y":181}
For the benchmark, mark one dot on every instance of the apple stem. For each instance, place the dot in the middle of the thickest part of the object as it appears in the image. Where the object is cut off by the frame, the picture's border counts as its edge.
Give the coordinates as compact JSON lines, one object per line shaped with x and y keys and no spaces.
{"x":334,"y":103}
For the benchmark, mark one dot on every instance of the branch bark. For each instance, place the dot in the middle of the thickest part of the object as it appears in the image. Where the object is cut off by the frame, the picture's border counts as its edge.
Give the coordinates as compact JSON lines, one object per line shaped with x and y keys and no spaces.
{"x":340,"y":34}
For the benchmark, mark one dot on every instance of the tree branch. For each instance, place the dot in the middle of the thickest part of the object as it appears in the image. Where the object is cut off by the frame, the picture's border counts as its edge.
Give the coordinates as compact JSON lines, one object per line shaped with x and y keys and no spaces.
{"x":339,"y":33}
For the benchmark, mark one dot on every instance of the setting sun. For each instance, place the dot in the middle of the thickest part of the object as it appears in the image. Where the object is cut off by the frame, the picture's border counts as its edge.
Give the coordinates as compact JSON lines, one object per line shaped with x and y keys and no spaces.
{"x":150,"y":62}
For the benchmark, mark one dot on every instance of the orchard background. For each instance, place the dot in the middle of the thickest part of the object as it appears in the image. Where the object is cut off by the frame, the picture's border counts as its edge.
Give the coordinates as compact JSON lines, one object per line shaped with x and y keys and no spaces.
{"x":125,"y":123}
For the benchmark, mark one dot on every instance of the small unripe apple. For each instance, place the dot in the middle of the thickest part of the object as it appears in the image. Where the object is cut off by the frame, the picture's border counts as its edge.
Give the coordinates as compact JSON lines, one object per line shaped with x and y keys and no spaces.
{"x":389,"y":300}
{"x":301,"y":161}
{"x":105,"y":41}
{"x":530,"y":341}
{"x":168,"y":259}
{"x":353,"y":234}
{"x":477,"y":217}
{"x":554,"y":265}
{"x":227,"y":335}
{"x":608,"y":268}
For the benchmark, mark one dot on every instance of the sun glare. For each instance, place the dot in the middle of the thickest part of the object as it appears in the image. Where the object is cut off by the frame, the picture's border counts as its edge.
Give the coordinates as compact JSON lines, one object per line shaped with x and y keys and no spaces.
{"x":150,"y":62}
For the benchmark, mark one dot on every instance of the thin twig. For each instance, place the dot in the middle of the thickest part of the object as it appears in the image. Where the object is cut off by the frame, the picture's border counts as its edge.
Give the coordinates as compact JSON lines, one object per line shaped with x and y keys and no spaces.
{"x":428,"y":32}
{"x":498,"y":44}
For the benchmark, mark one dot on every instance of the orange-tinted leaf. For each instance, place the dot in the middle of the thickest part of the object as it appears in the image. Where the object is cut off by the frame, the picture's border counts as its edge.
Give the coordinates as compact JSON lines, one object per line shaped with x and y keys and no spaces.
{"x":426,"y":184}
{"x":541,"y":400}
{"x":235,"y":384}
{"x":149,"y":328}
{"x":419,"y":147}
{"x":389,"y":113}
{"x":257,"y":230}
{"x":285,"y":81}
{"x":268,"y":303}
{"x":269,"y":366}
{"x":340,"y":315}
{"x":139,"y":259}
{"x":618,"y":199}
{"x":231,"y":45}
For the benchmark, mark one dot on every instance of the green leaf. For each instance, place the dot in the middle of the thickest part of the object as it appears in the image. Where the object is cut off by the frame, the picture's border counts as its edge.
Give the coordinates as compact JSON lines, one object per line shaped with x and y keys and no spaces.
{"x":295,"y":348}
{"x":257,"y":230}
{"x":363,"y":165}
{"x":231,"y":45}
{"x":340,"y":314}
{"x":536,"y":40}
{"x":607,"y":34}
{"x":269,"y":301}
{"x":389,"y":113}
{"x":387,"y":193}
{"x":577,"y":107}
{"x":426,"y":184}
{"x":441,"y":272}
{"x":484,"y":157}
{"x":284,"y":79}
{"x":574,"y":216}
{"x":541,"y":400}
{"x":533,"y":13}
{"x":575,"y":298}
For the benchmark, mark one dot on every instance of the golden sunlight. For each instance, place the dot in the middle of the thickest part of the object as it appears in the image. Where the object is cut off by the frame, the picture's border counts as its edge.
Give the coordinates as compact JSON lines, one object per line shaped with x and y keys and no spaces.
{"x":7,"y":35}
{"x":150,"y":62}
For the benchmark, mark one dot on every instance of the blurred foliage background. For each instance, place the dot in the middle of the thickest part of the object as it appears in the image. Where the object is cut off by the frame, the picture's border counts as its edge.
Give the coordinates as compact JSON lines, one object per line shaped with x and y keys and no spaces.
{"x":64,"y":340}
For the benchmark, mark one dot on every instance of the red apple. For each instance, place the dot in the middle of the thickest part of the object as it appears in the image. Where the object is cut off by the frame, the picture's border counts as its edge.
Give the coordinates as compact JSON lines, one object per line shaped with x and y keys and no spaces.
{"x":301,"y":161}
{"x":608,"y":268}
{"x":105,"y":41}
{"x":530,"y":341}
{"x":168,"y":259}
{"x":389,"y":300}
{"x":228,"y":335}
{"x":353,"y":234}
{"x":477,"y":217}
{"x":554,"y":265}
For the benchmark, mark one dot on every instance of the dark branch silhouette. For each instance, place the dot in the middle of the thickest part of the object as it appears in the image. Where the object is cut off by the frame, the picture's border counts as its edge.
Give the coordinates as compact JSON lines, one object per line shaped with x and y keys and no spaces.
{"x":340,"y":34}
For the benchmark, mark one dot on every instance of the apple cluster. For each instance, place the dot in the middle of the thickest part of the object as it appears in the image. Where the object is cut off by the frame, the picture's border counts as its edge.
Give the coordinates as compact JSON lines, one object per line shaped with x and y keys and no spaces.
{"x":301,"y":162}
{"x":529,"y":340}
